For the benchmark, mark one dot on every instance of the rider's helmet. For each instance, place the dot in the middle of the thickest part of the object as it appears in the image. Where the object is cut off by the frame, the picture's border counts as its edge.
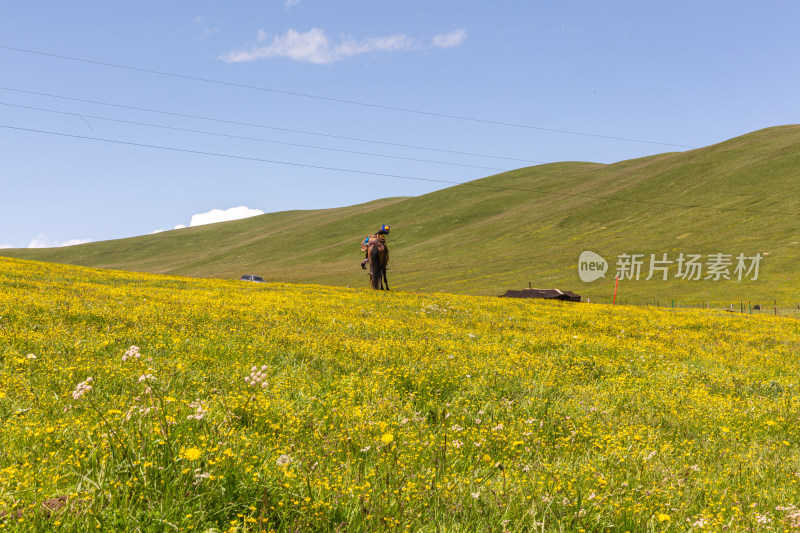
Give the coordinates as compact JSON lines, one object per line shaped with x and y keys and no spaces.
{"x":384,"y":230}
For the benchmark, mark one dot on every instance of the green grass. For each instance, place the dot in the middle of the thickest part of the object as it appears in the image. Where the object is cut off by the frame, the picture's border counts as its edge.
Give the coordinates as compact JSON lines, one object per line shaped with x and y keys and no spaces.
{"x":520,"y":227}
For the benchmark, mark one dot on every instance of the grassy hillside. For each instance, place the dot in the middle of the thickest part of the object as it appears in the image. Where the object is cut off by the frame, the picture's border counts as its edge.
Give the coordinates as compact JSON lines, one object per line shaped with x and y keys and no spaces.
{"x":527,"y":225}
{"x":277,"y":407}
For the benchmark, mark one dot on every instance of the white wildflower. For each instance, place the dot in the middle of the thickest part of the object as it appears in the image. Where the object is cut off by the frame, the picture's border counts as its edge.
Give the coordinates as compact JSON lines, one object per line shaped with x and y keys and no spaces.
{"x":82,"y":388}
{"x":257,"y":377}
{"x":131,"y":353}
{"x":200,"y":411}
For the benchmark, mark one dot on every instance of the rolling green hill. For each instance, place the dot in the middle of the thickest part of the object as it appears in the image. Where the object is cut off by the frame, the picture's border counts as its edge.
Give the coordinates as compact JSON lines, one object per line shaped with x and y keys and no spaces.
{"x":525,"y":226}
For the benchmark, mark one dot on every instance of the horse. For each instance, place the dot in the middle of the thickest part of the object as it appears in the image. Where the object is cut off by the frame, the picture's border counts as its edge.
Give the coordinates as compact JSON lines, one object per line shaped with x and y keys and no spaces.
{"x":378,"y":255}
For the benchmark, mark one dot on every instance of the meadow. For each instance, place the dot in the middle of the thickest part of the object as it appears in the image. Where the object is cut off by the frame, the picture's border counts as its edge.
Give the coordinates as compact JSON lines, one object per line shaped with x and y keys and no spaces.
{"x":525,"y":226}
{"x":137,"y":402}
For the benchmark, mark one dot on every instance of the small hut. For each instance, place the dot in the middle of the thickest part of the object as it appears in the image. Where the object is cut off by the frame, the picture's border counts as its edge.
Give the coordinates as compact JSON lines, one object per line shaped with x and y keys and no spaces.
{"x":547,"y":294}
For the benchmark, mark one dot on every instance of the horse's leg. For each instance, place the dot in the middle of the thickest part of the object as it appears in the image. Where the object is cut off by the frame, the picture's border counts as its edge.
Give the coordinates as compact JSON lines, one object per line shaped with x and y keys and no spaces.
{"x":369,"y":266}
{"x":375,"y":267}
{"x":384,"y":264}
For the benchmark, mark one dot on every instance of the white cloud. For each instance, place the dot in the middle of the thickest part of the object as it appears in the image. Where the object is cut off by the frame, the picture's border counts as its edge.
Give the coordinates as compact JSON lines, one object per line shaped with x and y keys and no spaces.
{"x":288,"y":4}
{"x":314,"y":46}
{"x":217,"y":215}
{"x":73,"y":242}
{"x":449,"y":40}
{"x":4,"y":246}
{"x":41,"y":242}
{"x":223,"y":215}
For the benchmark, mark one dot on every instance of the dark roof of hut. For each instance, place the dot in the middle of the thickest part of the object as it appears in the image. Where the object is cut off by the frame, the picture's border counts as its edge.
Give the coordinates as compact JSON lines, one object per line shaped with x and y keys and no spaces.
{"x":548,"y":294}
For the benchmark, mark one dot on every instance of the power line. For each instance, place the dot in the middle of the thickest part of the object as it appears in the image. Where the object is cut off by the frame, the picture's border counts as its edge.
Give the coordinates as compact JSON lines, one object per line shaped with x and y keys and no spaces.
{"x":264,"y":126}
{"x":85,"y":116}
{"x":340,"y":100}
{"x":400,"y":176}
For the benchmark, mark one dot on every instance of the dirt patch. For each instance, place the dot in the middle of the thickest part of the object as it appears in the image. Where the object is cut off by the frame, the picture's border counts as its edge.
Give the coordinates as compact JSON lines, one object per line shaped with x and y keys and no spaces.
{"x":48,"y":508}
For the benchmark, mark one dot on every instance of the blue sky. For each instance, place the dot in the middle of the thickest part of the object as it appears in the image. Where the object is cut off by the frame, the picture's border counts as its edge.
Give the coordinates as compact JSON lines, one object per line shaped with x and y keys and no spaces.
{"x":663,"y":76}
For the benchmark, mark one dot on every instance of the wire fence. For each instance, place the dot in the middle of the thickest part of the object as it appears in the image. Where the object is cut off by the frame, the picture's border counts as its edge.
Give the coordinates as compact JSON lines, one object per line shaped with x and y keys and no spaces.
{"x":751,"y":307}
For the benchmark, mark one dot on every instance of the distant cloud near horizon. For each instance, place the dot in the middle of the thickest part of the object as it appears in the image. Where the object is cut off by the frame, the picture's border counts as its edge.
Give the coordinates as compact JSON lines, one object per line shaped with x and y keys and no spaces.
{"x":224,"y":215}
{"x":314,"y":46}
{"x":40,"y":241}
{"x":218,"y":215}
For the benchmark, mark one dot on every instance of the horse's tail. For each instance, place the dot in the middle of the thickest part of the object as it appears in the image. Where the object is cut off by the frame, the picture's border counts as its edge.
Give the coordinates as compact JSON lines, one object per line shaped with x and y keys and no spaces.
{"x":376,"y":269}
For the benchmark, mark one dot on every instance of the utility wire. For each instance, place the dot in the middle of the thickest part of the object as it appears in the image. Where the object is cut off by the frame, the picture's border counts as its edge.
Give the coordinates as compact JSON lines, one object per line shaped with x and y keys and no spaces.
{"x":85,"y":116}
{"x":339,"y":100}
{"x":264,"y":126}
{"x":400,"y":176}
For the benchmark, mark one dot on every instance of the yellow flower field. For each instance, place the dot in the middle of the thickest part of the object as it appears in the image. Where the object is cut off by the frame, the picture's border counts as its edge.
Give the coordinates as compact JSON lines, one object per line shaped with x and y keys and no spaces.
{"x":138,"y":401}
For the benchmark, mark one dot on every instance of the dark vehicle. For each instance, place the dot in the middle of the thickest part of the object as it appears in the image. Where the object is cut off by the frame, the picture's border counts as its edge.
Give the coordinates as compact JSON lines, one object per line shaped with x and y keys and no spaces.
{"x":248,"y":277}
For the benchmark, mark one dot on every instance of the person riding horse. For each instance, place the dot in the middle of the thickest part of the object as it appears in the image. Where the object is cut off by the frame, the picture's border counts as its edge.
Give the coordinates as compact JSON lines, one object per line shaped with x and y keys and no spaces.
{"x":377,"y":255}
{"x":381,"y":234}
